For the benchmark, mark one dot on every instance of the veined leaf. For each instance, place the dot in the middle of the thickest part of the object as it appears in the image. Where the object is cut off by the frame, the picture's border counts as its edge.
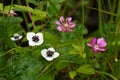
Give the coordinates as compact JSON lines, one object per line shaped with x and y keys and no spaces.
{"x":86,"y":69}
{"x":78,"y":50}
{"x":41,"y":14}
{"x":72,"y":74}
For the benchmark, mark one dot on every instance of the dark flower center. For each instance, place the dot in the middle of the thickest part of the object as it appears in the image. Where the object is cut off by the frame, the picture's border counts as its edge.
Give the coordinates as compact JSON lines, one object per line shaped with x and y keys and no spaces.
{"x":50,"y":53}
{"x":35,"y":38}
{"x":16,"y":37}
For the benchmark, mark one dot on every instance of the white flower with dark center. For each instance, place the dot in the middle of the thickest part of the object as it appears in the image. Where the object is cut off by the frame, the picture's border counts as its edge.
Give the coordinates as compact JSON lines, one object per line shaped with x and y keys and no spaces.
{"x":16,"y":37}
{"x":35,"y":39}
{"x":49,"y":54}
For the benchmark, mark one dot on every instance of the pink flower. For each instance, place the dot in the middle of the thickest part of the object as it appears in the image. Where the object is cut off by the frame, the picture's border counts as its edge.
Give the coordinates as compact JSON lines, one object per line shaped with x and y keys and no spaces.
{"x":65,"y":25}
{"x":97,"y":45}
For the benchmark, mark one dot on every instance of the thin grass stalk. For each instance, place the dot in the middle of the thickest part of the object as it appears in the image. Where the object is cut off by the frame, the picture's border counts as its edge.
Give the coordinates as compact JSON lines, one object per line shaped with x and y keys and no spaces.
{"x":117,"y":31}
{"x":83,"y":16}
{"x":112,"y":10}
{"x":100,"y":16}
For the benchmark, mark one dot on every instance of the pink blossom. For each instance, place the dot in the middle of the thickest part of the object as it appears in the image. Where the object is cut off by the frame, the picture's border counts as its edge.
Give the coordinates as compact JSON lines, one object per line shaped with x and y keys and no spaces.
{"x":65,"y":25}
{"x":98,"y":45}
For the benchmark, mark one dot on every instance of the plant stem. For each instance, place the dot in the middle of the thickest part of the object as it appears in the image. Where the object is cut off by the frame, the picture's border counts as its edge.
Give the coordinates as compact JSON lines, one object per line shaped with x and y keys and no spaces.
{"x":27,"y":4}
{"x":83,"y":17}
{"x":38,"y":4}
{"x":100,"y":16}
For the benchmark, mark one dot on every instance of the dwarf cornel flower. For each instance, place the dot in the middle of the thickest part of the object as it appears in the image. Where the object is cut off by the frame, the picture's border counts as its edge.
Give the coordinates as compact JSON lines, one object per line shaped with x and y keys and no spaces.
{"x":97,"y":45}
{"x":49,"y":54}
{"x":65,"y":25}
{"x":16,"y":37}
{"x":35,"y":39}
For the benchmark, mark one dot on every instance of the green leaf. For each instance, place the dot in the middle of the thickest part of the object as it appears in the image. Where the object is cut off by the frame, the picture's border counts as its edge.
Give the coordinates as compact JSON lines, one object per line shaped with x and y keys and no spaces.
{"x":86,"y":69}
{"x":83,"y":55}
{"x":61,"y":65}
{"x":50,"y":38}
{"x":1,"y":7}
{"x":49,"y":75}
{"x":78,"y":50}
{"x":72,"y":74}
{"x":39,"y":13}
{"x":84,"y":3}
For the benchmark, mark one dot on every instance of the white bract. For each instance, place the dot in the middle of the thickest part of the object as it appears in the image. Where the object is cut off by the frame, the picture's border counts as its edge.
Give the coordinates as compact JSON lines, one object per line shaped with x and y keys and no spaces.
{"x":35,"y":39}
{"x":16,"y":37}
{"x":49,"y":54}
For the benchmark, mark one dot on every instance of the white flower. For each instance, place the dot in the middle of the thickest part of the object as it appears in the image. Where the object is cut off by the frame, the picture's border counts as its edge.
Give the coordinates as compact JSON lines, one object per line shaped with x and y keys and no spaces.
{"x":16,"y":37}
{"x":10,"y":13}
{"x":49,"y":54}
{"x":35,"y":39}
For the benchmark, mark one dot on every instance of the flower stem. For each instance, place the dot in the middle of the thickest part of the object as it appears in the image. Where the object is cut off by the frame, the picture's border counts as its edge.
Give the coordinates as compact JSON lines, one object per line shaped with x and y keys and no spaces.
{"x":100,"y":16}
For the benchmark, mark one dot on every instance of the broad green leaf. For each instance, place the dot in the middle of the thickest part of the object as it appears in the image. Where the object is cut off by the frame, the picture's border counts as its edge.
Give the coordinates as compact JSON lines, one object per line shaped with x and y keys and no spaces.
{"x":7,"y":8}
{"x":86,"y":69}
{"x":78,"y":50}
{"x":72,"y":74}
{"x":39,"y":13}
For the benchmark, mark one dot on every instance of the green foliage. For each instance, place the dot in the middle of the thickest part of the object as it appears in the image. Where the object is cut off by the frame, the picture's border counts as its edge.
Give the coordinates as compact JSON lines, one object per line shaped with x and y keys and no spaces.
{"x":39,"y":13}
{"x":72,"y":74}
{"x":8,"y":27}
{"x":19,"y":61}
{"x":86,"y":69}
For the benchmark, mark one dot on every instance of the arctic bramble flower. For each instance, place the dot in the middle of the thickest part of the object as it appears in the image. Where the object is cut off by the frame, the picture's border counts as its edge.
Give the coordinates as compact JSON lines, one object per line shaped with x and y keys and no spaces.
{"x":10,"y":13}
{"x":16,"y":37}
{"x":98,"y":45}
{"x":35,"y":39}
{"x":49,"y":54}
{"x":65,"y":25}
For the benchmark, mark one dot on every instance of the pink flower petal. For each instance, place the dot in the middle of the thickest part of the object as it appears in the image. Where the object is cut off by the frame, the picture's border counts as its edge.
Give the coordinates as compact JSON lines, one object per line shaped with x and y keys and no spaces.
{"x":93,"y":41}
{"x":68,"y":19}
{"x":72,"y":25}
{"x":88,"y":44}
{"x":62,"y":19}
{"x":58,"y":23}
{"x":101,"y":42}
{"x":102,"y":49}
{"x":59,"y":28}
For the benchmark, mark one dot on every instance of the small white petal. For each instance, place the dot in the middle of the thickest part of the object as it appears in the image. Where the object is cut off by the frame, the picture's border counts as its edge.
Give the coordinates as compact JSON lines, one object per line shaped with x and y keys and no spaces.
{"x":49,"y":58}
{"x":31,"y":43}
{"x":38,"y":43}
{"x":16,"y":34}
{"x":40,"y":35}
{"x":44,"y":53}
{"x":55,"y":55}
{"x":51,"y":49}
{"x":13,"y":39}
{"x":20,"y":37}
{"x":30,"y":35}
